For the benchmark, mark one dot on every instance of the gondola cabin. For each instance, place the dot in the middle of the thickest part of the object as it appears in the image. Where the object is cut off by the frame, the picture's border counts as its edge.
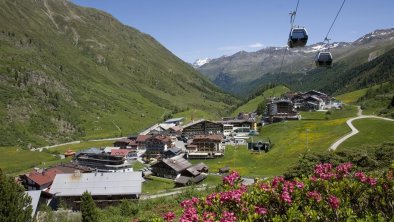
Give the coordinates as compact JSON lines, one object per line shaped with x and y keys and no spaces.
{"x":298,"y":37}
{"x":323,"y":59}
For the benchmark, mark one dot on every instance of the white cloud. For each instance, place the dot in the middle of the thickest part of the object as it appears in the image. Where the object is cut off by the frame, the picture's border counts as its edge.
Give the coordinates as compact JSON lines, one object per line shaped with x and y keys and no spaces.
{"x":241,"y":47}
{"x":256,"y":45}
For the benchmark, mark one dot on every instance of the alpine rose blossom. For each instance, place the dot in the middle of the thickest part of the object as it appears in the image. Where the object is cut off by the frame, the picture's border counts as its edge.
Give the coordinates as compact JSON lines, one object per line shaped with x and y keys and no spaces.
{"x":334,"y":201}
{"x":169,"y":217}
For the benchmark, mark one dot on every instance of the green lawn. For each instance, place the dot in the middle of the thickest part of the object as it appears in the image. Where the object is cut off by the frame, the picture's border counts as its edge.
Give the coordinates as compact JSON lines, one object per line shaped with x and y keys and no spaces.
{"x":14,"y":160}
{"x":156,"y":185}
{"x":289,"y":139}
{"x":372,"y":132}
{"x":352,"y":97}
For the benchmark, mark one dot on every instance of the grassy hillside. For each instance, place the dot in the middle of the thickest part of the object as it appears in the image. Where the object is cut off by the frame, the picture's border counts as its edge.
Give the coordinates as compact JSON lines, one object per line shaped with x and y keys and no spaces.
{"x":252,"y":104}
{"x":70,"y":72}
{"x":372,"y":132}
{"x":290,"y":140}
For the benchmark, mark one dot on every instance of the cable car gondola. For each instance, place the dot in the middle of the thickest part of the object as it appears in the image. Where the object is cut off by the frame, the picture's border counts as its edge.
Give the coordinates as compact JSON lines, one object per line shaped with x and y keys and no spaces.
{"x":323,"y":59}
{"x":297,"y":37}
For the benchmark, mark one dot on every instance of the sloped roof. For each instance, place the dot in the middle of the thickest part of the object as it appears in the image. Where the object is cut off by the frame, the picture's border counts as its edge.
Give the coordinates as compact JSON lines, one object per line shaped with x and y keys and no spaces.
{"x":193,"y":122}
{"x":199,"y":178}
{"x":143,"y":138}
{"x":178,"y":163}
{"x":35,"y":198}
{"x":98,"y":184}
{"x":174,"y":120}
{"x":120,"y":152}
{"x":182,"y":180}
{"x":44,"y":177}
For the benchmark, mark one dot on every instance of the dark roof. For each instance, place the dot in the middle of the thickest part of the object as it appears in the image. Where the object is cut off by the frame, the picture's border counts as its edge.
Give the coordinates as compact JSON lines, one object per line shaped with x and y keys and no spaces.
{"x":224,"y":169}
{"x":199,"y":178}
{"x":124,"y":140}
{"x":174,"y":150}
{"x":195,"y":170}
{"x":89,"y":151}
{"x":182,"y":180}
{"x":178,"y":163}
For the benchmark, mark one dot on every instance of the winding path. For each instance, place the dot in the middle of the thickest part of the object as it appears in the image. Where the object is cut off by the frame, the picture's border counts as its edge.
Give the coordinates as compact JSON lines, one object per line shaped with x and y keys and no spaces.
{"x":335,"y":145}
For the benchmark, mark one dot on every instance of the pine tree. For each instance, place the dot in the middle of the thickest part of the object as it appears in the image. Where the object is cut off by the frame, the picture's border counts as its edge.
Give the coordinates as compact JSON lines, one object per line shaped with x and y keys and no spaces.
{"x":88,"y":208}
{"x":15,"y":204}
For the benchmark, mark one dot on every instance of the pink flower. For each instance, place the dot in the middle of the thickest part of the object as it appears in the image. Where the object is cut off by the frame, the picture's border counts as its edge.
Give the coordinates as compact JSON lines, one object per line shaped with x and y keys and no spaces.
{"x":314,"y":195}
{"x":324,"y":171}
{"x":228,"y":217}
{"x":286,"y":197}
{"x":343,"y":169}
{"x":169,"y":217}
{"x":209,"y":216}
{"x":189,"y":215}
{"x":231,"y":178}
{"x":372,"y":181}
{"x":260,"y":210}
{"x":333,"y":201}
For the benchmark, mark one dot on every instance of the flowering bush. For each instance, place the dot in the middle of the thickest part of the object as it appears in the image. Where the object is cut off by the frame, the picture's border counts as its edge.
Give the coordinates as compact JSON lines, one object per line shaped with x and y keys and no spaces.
{"x":331,"y":193}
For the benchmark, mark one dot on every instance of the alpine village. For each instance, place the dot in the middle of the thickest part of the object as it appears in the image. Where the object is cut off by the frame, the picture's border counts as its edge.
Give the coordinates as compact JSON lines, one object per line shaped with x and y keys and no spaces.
{"x":100,"y":122}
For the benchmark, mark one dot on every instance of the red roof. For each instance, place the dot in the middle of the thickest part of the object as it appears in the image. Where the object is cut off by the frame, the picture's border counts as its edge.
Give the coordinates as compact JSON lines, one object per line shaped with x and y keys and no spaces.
{"x":119,"y":152}
{"x":142,"y":138}
{"x":47,"y":176}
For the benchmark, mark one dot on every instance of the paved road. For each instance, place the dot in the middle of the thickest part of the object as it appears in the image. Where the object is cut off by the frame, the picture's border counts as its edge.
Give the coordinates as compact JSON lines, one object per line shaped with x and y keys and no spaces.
{"x":335,"y":145}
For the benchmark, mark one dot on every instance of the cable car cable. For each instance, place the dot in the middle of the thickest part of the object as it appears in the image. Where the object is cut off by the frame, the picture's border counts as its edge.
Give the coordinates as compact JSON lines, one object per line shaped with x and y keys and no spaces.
{"x":339,"y":11}
{"x":292,"y":19}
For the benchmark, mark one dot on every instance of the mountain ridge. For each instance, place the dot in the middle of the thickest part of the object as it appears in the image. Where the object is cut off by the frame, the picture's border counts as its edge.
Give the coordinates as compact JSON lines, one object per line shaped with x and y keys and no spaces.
{"x":233,"y":73}
{"x":73,"y":72}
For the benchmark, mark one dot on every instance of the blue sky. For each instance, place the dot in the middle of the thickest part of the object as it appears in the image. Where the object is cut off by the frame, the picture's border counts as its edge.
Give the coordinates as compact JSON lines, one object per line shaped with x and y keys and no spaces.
{"x":212,"y":28}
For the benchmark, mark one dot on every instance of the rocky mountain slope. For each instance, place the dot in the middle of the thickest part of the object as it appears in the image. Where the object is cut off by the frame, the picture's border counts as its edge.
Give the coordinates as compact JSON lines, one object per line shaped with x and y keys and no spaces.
{"x":238,"y":73}
{"x":69,"y":72}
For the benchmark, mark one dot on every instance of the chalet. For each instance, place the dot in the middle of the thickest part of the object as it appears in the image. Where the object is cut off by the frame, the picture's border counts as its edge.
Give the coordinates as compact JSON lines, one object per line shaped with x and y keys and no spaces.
{"x":141,"y":141}
{"x":202,"y":127}
{"x":312,"y":103}
{"x":39,"y":179}
{"x":170,"y":168}
{"x":156,"y":145}
{"x":103,"y":187}
{"x":280,"y":110}
{"x":196,"y":170}
{"x":205,"y":146}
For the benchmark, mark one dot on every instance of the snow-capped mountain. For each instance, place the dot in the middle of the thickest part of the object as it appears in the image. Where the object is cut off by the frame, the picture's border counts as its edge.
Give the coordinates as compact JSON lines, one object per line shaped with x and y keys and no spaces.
{"x":379,"y":34}
{"x":236,"y":73}
{"x":200,"y":62}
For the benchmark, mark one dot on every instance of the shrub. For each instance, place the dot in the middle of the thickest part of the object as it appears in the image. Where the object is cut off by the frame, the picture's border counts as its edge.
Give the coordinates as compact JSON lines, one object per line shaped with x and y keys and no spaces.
{"x":329,"y":194}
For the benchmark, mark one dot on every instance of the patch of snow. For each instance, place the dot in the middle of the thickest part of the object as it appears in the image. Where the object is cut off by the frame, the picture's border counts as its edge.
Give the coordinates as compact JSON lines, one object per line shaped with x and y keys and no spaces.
{"x":200,"y":62}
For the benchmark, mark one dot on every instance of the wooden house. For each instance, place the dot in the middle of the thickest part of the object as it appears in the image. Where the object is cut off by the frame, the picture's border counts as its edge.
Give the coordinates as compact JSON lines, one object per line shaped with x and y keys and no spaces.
{"x":202,"y":127}
{"x":39,"y":179}
{"x":170,"y":168}
{"x":156,"y":145}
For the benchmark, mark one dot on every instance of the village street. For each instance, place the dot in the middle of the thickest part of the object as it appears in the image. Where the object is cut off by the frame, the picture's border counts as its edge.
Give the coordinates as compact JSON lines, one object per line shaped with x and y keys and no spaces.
{"x":335,"y":145}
